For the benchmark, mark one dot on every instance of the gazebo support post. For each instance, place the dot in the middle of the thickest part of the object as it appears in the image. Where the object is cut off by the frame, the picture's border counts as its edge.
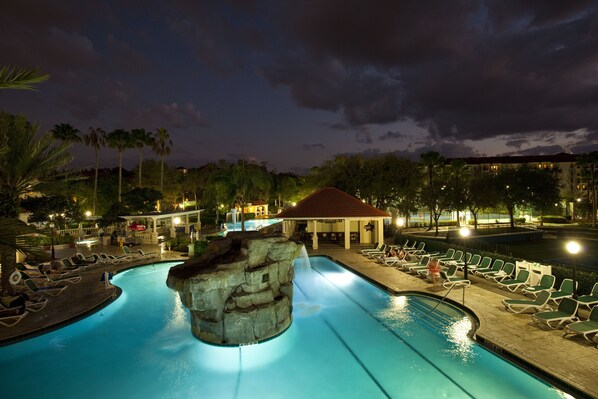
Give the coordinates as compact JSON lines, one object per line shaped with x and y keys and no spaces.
{"x":314,"y":239}
{"x":347,"y":229}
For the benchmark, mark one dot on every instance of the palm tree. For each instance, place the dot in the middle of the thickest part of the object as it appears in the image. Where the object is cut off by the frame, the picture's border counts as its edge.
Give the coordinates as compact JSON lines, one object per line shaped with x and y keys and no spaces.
{"x":141,"y":139}
{"x":121,"y":140}
{"x":96,"y":138}
{"x":27,"y":162}
{"x":589,"y":167}
{"x":66,"y":132}
{"x":161,"y":147}
{"x":431,"y":162}
{"x":21,"y":79}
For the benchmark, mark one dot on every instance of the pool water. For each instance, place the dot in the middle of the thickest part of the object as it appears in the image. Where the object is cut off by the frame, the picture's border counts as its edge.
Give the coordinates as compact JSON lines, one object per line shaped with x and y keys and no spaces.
{"x":348,"y":339}
{"x":251,"y":224}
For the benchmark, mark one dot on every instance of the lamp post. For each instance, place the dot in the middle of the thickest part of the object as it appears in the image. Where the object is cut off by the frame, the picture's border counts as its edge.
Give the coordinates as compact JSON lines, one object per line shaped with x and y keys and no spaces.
{"x":52,"y":239}
{"x":573,"y":248}
{"x":464,"y":233}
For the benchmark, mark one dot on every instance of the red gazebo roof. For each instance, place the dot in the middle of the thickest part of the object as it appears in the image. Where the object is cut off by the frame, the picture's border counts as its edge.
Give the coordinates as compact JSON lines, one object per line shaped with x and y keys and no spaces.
{"x":331,"y":203}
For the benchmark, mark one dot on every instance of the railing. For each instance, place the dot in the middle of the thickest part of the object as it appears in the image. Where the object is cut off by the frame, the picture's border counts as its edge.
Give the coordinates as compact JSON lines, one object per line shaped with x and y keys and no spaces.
{"x":444,"y":297}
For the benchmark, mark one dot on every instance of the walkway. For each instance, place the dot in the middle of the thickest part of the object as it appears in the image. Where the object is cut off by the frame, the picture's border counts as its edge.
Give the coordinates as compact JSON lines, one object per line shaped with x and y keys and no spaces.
{"x":570,"y":360}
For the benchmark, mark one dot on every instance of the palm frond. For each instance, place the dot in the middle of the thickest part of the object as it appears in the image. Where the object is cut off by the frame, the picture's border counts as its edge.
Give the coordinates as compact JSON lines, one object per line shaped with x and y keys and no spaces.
{"x":13,"y":228}
{"x":21,"y":79}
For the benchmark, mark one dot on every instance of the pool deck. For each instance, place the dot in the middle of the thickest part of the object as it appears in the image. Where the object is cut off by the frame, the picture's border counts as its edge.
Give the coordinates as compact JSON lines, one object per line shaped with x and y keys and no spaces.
{"x":514,"y":335}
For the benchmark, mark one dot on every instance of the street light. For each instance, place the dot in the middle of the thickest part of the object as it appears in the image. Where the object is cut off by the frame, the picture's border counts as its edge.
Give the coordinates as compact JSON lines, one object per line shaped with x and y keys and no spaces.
{"x":573,"y":248}
{"x":52,"y":239}
{"x":464,"y":233}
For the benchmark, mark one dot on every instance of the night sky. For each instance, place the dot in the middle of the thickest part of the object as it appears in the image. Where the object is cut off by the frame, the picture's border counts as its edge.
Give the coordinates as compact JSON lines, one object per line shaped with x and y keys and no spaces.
{"x":293,"y":83}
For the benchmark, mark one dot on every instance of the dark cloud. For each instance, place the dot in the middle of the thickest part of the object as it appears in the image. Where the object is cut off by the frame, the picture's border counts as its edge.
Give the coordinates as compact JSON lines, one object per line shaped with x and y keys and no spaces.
{"x":126,"y":57}
{"x":539,"y":150}
{"x":391,"y":136}
{"x":464,"y":69}
{"x":363,"y":137}
{"x":310,"y":147}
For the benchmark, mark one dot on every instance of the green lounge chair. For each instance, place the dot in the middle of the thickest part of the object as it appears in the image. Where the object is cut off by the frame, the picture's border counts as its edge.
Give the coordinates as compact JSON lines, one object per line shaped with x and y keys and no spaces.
{"x":565,"y":291}
{"x":546,"y":284}
{"x":565,"y":313}
{"x":371,"y":254}
{"x":496,"y":267}
{"x":450,"y":280}
{"x":457,"y":257}
{"x":35,"y":289}
{"x":585,"y":328}
{"x":525,"y":305}
{"x":9,"y":319}
{"x":30,"y":305}
{"x":485,"y":263}
{"x":447,"y":255}
{"x":589,"y":300}
{"x":414,"y":267}
{"x":147,"y":255}
{"x":472,"y":262}
{"x":513,"y":284}
{"x":466,"y":256}
{"x":504,"y":274}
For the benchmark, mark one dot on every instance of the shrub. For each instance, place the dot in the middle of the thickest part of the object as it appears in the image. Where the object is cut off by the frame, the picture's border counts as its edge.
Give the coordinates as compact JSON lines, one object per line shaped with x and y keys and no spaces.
{"x":46,"y":240}
{"x":554,"y":219}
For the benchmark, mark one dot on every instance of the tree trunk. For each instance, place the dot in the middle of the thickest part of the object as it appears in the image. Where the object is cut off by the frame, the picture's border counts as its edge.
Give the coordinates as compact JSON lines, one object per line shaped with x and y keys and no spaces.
{"x":120,"y":175}
{"x":511,"y":210}
{"x":593,"y":198}
{"x":458,"y":220}
{"x":8,"y":257}
{"x":95,"y":183}
{"x":140,"y":160}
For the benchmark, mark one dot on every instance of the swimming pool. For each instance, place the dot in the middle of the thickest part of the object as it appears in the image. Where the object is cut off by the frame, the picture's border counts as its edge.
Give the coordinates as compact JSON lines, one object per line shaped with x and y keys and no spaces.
{"x":348,"y":340}
{"x":251,"y":224}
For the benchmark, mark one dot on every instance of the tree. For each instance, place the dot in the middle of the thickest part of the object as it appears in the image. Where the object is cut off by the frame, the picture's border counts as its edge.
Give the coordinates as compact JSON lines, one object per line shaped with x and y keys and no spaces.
{"x":141,"y":139}
{"x":141,"y":200}
{"x":458,"y":176}
{"x":96,"y":138}
{"x":245,"y":181}
{"x":121,"y":140}
{"x":66,"y":133}
{"x":432,"y":164}
{"x":480,"y":194}
{"x":162,"y":144}
{"x":20,"y":79}
{"x":406,"y":185}
{"x":26,"y":162}
{"x":543,"y":191}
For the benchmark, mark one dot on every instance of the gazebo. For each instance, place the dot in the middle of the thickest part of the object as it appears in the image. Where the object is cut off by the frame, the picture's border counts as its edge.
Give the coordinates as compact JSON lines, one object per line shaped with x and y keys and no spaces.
{"x":169,"y":219}
{"x":334,"y":215}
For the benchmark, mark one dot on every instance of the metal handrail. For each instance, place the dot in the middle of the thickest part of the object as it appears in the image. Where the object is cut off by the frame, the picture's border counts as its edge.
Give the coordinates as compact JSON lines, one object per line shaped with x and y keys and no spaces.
{"x":442,"y":300}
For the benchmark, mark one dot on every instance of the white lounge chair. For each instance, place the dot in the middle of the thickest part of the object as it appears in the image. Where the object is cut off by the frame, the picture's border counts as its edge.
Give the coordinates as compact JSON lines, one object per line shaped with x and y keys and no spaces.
{"x":584,"y":328}
{"x":525,"y":305}
{"x":9,"y":320}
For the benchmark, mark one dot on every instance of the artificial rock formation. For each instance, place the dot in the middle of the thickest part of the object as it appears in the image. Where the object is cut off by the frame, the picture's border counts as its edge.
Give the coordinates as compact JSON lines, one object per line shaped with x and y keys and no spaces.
{"x":241,"y":290}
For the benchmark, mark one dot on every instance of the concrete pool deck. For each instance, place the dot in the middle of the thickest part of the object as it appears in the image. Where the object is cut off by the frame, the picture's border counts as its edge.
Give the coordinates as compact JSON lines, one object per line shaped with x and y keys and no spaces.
{"x":514,"y":335}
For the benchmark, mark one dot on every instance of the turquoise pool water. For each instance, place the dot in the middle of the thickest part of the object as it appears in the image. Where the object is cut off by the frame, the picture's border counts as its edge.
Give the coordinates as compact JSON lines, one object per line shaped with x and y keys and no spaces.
{"x":348,"y":340}
{"x":252,"y":224}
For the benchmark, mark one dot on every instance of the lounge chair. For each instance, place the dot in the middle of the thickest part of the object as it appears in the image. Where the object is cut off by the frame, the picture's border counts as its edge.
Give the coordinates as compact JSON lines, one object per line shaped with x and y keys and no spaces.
{"x":51,"y":278}
{"x":472,"y":262}
{"x":450,"y":280}
{"x":67,"y":265}
{"x":9,"y":319}
{"x":565,"y":291}
{"x":513,"y":284}
{"x":496,"y":267}
{"x":447,"y":255}
{"x":147,"y":254}
{"x":565,"y":313}
{"x":366,"y":250}
{"x":35,"y":289}
{"x":457,"y":257}
{"x":419,"y":250}
{"x":546,"y":284}
{"x":461,"y":263}
{"x":127,"y":252}
{"x":591,"y":299}
{"x":370,"y":254}
{"x":525,"y":305}
{"x":585,"y":328}
{"x":415,"y":267}
{"x":32,"y":306}
{"x":501,"y":275}
{"x":485,"y":263}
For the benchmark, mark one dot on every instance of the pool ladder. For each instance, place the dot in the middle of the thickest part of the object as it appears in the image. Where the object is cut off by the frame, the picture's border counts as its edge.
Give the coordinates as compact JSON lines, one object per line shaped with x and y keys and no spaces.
{"x":443,"y":298}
